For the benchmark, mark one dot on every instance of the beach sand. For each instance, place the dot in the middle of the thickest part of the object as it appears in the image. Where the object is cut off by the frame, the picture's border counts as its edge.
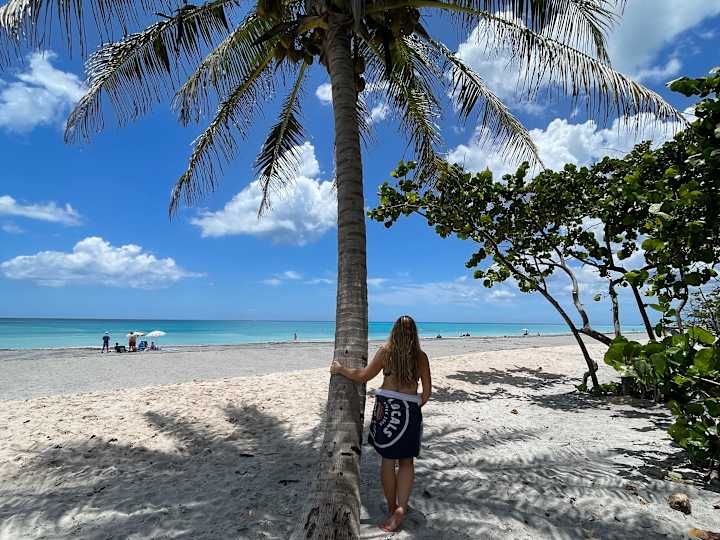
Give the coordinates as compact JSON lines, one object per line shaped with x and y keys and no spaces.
{"x":509,"y":451}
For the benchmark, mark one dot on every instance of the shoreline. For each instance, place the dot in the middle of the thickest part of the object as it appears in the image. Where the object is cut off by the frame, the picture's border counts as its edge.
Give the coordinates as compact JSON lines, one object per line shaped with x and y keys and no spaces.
{"x":33,"y":373}
{"x":180,"y":346}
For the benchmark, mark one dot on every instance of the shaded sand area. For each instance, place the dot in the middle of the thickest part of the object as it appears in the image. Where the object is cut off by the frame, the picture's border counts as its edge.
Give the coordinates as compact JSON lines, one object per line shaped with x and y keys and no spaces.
{"x":510,"y":452}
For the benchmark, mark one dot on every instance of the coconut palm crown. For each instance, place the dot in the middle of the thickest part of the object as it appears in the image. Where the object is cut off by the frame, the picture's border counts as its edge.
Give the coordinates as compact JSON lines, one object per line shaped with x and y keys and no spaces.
{"x":219,"y":61}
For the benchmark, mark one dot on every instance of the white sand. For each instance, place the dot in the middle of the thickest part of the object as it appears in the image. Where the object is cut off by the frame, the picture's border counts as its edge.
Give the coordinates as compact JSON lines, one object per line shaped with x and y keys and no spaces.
{"x":43,"y":372}
{"x":232,"y":458}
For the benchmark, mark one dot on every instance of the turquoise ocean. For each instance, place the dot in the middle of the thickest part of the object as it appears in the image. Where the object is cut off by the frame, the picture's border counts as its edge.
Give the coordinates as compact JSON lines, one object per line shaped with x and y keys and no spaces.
{"x":62,"y":333}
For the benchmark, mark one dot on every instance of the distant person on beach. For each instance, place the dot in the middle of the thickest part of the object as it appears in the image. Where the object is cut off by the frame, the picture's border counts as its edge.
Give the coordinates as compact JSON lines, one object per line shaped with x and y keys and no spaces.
{"x":397,"y":404}
{"x":132,"y":343}
{"x":295,"y":336}
{"x":106,"y":343}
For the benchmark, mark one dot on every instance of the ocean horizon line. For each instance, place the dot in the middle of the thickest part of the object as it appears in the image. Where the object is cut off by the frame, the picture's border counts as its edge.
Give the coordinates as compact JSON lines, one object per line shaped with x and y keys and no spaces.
{"x":57,"y":333}
{"x":167,"y":346}
{"x":373,"y":321}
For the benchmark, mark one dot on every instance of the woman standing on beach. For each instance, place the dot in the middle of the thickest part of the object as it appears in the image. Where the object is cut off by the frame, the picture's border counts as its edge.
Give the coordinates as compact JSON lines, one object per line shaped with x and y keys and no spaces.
{"x":396,"y":426}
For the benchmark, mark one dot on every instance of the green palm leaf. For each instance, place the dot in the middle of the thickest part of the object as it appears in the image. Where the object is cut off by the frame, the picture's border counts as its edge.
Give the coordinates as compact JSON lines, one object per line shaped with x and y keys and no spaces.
{"x":503,"y":129}
{"x":35,"y":21}
{"x":223,"y":69}
{"x":218,"y":144}
{"x":31,"y":20}
{"x":140,"y":70}
{"x":279,"y":158}
{"x":544,"y":59}
{"x":411,"y":92}
{"x":585,"y":25}
{"x":580,"y":23}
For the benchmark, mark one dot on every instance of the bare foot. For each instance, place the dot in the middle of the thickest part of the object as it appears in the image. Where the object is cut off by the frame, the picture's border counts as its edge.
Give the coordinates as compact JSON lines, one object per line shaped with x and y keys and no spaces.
{"x":393,"y":522}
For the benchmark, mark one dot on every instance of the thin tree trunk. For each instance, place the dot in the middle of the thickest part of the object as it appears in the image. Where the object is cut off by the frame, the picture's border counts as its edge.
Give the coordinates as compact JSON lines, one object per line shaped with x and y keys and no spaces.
{"x":615,"y":308}
{"x":643,"y":313}
{"x":333,"y":507}
{"x":598,"y":336}
{"x":592,"y":366}
{"x":575,"y":290}
{"x":679,"y":308}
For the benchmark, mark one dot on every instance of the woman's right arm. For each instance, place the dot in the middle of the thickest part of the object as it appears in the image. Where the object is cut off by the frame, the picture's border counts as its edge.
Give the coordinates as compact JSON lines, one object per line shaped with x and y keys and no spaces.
{"x":360,"y":375}
{"x":425,"y":379}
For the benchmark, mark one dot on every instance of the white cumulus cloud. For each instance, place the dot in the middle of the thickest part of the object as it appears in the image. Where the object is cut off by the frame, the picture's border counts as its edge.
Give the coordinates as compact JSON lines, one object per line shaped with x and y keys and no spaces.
{"x":379,"y":113}
{"x":659,"y":73}
{"x":645,"y":28}
{"x":95,"y":261}
{"x":563,"y":142}
{"x":50,"y":211}
{"x":324,"y":93}
{"x":301,"y":213}
{"x":40,"y":95}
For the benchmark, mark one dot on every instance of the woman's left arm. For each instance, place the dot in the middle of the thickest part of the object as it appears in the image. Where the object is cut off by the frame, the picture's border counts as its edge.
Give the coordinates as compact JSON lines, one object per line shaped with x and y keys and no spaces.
{"x":425,"y":379}
{"x":360,"y":375}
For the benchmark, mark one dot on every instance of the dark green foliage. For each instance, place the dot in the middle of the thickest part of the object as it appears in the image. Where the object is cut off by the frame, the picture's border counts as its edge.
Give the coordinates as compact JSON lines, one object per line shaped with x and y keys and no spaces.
{"x":684,"y":370}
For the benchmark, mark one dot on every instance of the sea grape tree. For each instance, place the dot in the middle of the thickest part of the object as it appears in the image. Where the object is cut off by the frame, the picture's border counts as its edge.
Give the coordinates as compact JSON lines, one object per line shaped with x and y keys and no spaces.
{"x":646,"y":221}
{"x":523,"y":230}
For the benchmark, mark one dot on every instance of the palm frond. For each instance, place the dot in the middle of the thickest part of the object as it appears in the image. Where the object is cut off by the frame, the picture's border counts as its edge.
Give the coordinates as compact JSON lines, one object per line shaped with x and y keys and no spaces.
{"x":410,"y":89}
{"x":279,"y":156}
{"x":31,"y":21}
{"x":223,"y":68}
{"x":362,"y":114}
{"x":545,"y":60}
{"x":579,"y":23}
{"x":218,"y":143}
{"x":138,"y":71}
{"x":584,"y":24}
{"x":502,"y":128}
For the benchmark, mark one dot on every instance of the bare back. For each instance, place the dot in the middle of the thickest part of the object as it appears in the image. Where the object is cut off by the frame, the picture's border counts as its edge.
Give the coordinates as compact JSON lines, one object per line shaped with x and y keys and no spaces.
{"x":391,"y":382}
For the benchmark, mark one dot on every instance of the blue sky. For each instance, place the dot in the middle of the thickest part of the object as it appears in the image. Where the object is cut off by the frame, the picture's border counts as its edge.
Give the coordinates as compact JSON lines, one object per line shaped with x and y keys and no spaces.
{"x":84,"y":229}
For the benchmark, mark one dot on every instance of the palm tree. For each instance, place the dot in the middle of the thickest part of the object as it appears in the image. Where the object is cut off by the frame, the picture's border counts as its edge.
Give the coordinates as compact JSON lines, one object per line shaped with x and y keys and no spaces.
{"x":220,"y":59}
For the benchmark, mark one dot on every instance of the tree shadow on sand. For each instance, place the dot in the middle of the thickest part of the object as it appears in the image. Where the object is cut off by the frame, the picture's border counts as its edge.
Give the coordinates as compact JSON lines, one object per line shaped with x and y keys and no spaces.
{"x":198,"y":488}
{"x":446,"y":394}
{"x":507,"y":493}
{"x":520,"y":377}
{"x":195,"y":484}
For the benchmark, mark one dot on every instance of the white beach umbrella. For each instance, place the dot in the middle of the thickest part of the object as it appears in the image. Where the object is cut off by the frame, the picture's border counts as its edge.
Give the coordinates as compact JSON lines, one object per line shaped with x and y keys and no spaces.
{"x":156,"y":333}
{"x":136,"y":333}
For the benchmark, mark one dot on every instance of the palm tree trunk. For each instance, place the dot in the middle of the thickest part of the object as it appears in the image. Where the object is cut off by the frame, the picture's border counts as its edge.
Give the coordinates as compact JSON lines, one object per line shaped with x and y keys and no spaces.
{"x":333,"y":509}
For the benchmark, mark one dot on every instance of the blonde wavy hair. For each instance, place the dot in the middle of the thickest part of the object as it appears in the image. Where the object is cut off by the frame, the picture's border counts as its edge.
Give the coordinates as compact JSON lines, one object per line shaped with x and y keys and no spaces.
{"x":402,"y":350}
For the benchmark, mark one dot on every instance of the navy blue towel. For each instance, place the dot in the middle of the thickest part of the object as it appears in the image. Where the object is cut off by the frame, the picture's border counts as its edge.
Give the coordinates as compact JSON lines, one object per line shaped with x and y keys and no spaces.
{"x":396,"y":426}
